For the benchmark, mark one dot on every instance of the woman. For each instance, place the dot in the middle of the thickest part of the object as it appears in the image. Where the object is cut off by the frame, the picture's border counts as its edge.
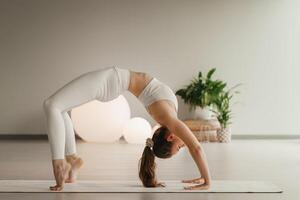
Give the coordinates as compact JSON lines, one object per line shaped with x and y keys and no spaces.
{"x":105,"y":85}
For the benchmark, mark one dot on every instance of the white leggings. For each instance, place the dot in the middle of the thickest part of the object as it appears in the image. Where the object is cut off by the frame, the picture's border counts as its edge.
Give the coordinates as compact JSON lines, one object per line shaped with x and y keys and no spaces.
{"x":103,"y":85}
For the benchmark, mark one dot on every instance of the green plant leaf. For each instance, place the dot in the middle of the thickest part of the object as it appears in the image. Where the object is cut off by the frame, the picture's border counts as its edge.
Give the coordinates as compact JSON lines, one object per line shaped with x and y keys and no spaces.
{"x":210,"y":73}
{"x":199,"y":74}
{"x":204,"y":91}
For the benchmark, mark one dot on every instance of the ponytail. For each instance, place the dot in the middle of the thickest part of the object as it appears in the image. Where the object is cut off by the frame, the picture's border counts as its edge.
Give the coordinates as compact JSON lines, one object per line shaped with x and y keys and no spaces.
{"x":147,"y":168}
{"x":160,"y":148}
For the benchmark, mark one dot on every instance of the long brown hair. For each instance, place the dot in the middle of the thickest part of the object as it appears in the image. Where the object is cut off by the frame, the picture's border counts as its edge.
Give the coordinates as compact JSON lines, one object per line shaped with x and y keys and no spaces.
{"x":162,"y":149}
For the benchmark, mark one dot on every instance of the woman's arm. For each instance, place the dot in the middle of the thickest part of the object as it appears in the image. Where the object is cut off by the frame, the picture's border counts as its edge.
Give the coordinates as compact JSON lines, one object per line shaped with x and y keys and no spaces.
{"x":178,"y":128}
{"x":166,"y":115}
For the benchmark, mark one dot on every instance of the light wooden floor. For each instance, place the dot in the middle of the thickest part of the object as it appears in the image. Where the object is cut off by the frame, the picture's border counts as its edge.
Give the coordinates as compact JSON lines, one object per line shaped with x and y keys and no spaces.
{"x":270,"y":160}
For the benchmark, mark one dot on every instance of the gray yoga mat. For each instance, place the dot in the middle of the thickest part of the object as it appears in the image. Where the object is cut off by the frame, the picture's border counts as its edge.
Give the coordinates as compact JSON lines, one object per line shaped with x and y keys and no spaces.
{"x":86,"y":186}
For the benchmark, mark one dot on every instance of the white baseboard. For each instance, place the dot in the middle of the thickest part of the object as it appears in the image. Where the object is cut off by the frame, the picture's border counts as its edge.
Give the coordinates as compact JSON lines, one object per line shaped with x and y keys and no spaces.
{"x":43,"y":136}
{"x":265,"y":137}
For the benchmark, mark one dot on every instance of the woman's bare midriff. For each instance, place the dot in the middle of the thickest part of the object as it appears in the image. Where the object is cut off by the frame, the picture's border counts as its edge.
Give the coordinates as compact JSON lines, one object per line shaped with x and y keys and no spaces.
{"x":138,"y":81}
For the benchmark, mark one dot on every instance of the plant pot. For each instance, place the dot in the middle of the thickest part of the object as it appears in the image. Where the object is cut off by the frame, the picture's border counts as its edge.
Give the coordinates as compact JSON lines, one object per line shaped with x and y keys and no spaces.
{"x":204,"y":113}
{"x":224,"y":135}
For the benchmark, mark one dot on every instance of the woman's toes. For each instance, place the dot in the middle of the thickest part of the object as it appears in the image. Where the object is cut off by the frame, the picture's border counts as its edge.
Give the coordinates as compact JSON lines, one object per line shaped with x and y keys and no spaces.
{"x":55,"y":188}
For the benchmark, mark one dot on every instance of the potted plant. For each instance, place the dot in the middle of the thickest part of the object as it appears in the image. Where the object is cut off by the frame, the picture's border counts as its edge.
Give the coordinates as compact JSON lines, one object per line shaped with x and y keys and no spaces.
{"x":201,"y":94}
{"x":223,"y":112}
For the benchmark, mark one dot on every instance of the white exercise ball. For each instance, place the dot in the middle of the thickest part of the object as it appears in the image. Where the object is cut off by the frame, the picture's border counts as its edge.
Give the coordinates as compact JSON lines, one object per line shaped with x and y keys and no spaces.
{"x":101,"y":122}
{"x":137,"y":130}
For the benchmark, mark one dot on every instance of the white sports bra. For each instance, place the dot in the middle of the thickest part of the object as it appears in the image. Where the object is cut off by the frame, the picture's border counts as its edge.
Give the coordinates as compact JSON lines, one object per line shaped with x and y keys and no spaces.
{"x":156,"y":90}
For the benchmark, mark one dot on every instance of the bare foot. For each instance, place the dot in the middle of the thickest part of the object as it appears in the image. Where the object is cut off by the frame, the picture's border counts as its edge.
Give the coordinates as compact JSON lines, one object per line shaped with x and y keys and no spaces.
{"x":61,"y":171}
{"x":76,"y":163}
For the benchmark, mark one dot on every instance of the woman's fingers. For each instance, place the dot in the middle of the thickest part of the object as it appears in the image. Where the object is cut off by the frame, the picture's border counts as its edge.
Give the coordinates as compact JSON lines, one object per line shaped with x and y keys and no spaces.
{"x":197,"y":187}
{"x":199,"y":181}
{"x":161,"y":184}
{"x":189,"y":181}
{"x":196,"y":180}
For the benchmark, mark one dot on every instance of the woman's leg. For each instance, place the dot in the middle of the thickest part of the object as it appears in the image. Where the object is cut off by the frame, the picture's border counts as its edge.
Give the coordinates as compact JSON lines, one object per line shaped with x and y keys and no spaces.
{"x":70,"y":143}
{"x":80,"y":90}
{"x":70,"y":150}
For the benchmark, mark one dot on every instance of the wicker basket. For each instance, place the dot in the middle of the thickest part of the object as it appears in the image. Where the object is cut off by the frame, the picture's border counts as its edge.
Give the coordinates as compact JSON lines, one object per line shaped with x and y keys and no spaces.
{"x":224,"y":135}
{"x":203,"y":125}
{"x":204,"y":130}
{"x":206,"y":136}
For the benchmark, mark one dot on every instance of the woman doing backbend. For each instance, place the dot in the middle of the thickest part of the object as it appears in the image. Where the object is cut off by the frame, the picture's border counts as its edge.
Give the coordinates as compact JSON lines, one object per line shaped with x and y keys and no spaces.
{"x":105,"y":85}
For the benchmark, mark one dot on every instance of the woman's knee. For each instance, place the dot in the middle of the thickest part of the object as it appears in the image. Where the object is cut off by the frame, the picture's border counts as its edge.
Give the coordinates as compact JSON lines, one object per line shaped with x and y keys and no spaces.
{"x":49,"y":104}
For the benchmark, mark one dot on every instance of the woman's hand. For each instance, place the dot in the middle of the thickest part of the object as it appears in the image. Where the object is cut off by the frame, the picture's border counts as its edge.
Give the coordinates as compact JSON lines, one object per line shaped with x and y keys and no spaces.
{"x":161,"y":184}
{"x":201,"y":184}
{"x":204,"y":186}
{"x":196,"y":180}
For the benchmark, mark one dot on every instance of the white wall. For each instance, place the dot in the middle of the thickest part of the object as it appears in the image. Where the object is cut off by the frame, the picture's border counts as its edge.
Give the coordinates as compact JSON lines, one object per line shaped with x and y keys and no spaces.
{"x":44,"y":44}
